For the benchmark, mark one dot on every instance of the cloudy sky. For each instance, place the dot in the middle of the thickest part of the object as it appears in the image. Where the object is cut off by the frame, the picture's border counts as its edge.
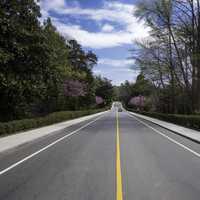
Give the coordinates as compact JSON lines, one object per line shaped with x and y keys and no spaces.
{"x":107,"y":27}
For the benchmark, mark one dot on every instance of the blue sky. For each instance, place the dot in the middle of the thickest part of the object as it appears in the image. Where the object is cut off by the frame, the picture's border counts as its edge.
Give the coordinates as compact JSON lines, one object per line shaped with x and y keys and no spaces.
{"x":107,"y":27}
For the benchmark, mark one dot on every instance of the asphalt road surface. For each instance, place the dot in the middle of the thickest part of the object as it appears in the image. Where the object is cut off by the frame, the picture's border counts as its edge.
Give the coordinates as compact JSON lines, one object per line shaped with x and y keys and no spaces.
{"x":112,"y":157}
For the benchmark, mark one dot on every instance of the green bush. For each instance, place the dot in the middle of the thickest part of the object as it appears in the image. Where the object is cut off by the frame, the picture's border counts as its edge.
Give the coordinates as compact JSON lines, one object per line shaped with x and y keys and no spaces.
{"x":189,"y":121}
{"x":25,"y":124}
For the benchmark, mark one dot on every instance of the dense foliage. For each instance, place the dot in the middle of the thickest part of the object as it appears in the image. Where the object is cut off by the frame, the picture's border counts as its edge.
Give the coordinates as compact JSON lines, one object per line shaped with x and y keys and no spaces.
{"x":40,"y":71}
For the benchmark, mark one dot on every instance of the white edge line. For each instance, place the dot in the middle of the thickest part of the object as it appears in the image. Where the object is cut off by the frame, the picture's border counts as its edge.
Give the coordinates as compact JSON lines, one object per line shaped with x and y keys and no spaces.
{"x":167,"y":137}
{"x":46,"y":147}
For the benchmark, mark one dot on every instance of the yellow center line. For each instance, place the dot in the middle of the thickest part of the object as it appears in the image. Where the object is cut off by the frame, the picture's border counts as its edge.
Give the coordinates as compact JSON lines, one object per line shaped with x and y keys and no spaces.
{"x":119,"y":192}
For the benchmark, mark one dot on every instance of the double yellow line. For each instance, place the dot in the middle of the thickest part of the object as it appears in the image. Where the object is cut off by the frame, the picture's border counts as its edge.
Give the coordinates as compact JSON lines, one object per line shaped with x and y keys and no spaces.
{"x":119,"y":189}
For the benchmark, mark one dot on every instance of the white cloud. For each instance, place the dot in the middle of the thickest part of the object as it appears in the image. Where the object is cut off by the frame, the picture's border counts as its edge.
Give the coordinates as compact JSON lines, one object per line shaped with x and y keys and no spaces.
{"x":92,"y":39}
{"x":117,"y":75}
{"x":52,"y":4}
{"x":97,"y":71}
{"x":121,"y":63}
{"x":115,"y":12}
{"x":107,"y":28}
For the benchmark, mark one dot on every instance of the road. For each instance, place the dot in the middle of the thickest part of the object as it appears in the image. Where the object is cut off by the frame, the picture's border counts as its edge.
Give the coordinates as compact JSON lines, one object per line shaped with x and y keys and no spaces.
{"x":112,"y":157}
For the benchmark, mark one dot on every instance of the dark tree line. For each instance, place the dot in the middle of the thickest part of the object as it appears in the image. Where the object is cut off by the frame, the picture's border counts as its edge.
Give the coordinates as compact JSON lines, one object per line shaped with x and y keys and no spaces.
{"x":41,"y":71}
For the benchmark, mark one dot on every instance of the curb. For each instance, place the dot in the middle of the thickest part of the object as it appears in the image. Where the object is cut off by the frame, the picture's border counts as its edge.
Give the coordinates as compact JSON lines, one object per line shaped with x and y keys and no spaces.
{"x":178,"y":133}
{"x":21,"y":138}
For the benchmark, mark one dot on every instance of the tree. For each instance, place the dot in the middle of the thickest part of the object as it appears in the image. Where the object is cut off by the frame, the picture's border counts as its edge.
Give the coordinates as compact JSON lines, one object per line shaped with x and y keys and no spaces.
{"x":83,"y":63}
{"x":104,"y":89}
{"x":22,"y":57}
{"x":41,"y":72}
{"x":58,"y":68}
{"x":99,"y":100}
{"x":173,"y":49}
{"x":141,"y":88}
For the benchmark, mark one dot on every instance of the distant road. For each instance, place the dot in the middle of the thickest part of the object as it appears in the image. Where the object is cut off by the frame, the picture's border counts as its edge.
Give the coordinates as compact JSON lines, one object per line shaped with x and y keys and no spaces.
{"x":111,"y":157}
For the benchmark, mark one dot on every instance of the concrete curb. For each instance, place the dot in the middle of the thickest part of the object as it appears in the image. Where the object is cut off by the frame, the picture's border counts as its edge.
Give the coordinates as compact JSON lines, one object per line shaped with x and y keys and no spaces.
{"x":14,"y":140}
{"x":179,"y":130}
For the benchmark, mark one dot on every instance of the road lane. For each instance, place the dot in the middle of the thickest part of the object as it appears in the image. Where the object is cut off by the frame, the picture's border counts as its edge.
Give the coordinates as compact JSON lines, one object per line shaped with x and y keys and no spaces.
{"x":155,"y":168}
{"x":80,"y":168}
{"x":18,"y":153}
{"x":85,"y":167}
{"x":46,"y":147}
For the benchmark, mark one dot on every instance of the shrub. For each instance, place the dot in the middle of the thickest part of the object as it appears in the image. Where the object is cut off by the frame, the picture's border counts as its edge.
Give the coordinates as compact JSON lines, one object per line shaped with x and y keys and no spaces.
{"x":189,"y":121}
{"x":25,"y":124}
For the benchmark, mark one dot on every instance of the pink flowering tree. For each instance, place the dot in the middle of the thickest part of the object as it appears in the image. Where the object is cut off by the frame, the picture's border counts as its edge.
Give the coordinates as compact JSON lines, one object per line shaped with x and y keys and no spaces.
{"x":99,"y":100}
{"x":138,"y":101}
{"x":74,"y":88}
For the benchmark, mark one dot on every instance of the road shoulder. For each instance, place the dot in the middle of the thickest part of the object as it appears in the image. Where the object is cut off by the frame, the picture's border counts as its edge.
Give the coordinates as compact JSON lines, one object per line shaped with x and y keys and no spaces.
{"x":185,"y":132}
{"x":12,"y":141}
